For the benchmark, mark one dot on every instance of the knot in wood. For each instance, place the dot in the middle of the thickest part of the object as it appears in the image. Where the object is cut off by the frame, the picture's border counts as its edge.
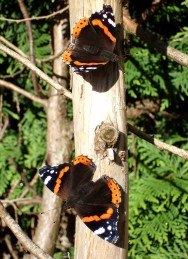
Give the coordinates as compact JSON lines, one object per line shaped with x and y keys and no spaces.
{"x":109,"y":135}
{"x":106,"y":136}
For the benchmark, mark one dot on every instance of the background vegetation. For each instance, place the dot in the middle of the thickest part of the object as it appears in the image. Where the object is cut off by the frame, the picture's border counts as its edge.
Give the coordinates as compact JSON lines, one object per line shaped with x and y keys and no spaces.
{"x":157,"y":91}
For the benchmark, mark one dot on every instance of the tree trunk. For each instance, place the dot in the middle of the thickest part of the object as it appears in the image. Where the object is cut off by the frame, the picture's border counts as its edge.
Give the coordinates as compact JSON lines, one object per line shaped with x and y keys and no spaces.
{"x":99,"y":97}
{"x":59,"y":145}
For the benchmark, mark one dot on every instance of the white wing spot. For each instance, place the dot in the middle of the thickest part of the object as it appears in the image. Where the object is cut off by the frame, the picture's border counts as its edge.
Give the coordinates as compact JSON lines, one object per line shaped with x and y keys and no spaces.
{"x":99,"y":231}
{"x":92,"y":68}
{"x":105,"y":16}
{"x":48,"y":178}
{"x":52,"y":171}
{"x":109,"y":227}
{"x":111,"y":22}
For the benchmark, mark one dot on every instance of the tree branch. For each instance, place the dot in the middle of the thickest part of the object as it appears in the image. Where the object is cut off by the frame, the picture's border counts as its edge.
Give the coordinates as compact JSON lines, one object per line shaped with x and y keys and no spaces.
{"x":36,"y":86}
{"x":159,"y":144}
{"x":5,"y":126}
{"x":34,"y":17}
{"x":21,"y":236}
{"x":150,"y":11}
{"x":50,"y":58}
{"x":27,"y":63}
{"x":159,"y":45}
{"x":12,"y":46}
{"x":33,"y":181}
{"x":23,"y":92}
{"x":10,"y":248}
{"x":27,"y":184}
{"x":23,"y":201}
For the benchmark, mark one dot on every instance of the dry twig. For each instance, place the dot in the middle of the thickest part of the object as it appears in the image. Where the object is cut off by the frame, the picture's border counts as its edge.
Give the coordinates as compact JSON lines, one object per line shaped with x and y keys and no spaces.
{"x":159,"y":45}
{"x":150,"y":11}
{"x":23,"y":92}
{"x":23,"y":201}
{"x":39,"y":72}
{"x":159,"y":144}
{"x":9,"y":246}
{"x":27,"y":184}
{"x":31,"y":46}
{"x":5,"y":126}
{"x":21,"y":236}
{"x":34,"y":17}
{"x":33,"y":181}
{"x":13,"y":47}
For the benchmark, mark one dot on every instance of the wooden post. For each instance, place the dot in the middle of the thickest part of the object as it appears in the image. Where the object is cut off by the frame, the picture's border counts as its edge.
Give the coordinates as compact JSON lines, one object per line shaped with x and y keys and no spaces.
{"x":99,"y":97}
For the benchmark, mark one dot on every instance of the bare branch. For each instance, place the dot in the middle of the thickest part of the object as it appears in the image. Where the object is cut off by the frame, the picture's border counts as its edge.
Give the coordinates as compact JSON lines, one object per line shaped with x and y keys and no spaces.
{"x":150,"y":11}
{"x":51,"y":57}
{"x":27,"y":184}
{"x":21,"y":236}
{"x":23,"y":92}
{"x":11,"y":190}
{"x":10,"y":248}
{"x":5,"y":126}
{"x":140,"y":107}
{"x":159,"y":144}
{"x":33,"y":181}
{"x":26,"y":62}
{"x":12,"y":46}
{"x":159,"y":45}
{"x":36,"y":85}
{"x":12,"y":75}
{"x":34,"y":17}
{"x":23,"y":201}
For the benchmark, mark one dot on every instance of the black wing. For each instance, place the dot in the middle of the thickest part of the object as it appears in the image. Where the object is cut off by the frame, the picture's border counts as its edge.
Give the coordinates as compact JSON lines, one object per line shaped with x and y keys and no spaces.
{"x":64,"y":178}
{"x":97,"y":205}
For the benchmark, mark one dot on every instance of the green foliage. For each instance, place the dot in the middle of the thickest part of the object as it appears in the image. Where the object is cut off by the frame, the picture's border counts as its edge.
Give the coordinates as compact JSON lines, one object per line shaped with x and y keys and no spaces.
{"x":17,"y":33}
{"x":158,"y":216}
{"x":8,"y":151}
{"x":25,"y":153}
{"x":141,"y":74}
{"x":65,"y":255}
{"x":158,"y":205}
{"x":180,"y":40}
{"x":34,"y":138}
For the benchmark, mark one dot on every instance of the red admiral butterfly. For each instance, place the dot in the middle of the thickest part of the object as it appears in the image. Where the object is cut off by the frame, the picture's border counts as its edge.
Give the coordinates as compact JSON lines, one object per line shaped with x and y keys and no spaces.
{"x":93,"y":41}
{"x":96,"y":203}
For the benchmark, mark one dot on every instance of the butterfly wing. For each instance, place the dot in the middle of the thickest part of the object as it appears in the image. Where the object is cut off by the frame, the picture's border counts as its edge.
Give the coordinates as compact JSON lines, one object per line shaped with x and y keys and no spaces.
{"x":56,"y":178}
{"x":103,"y":23}
{"x":82,"y":171}
{"x":64,"y":177}
{"x":93,"y":41}
{"x":98,"y":205}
